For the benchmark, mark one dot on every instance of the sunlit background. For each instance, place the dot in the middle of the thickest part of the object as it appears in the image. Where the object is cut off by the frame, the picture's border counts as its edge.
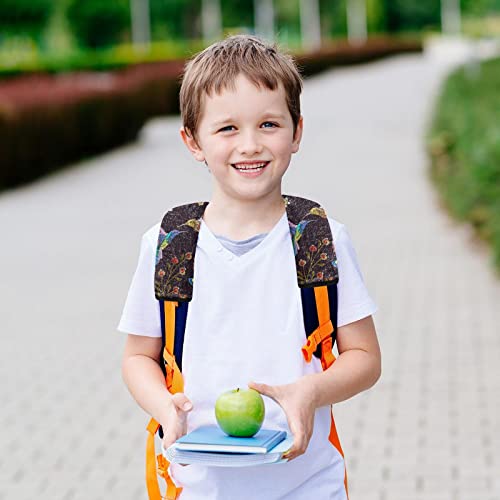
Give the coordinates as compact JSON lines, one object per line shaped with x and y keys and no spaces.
{"x":401,"y":107}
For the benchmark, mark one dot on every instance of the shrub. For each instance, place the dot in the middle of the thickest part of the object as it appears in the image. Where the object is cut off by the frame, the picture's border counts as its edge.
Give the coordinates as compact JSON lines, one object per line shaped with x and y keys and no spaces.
{"x":464,"y":145}
{"x":49,"y":121}
{"x":24,"y":16}
{"x":99,"y":23}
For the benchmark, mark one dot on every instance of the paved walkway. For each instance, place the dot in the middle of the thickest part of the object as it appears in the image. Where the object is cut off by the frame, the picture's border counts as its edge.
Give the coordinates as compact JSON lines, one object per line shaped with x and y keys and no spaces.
{"x":428,"y":430}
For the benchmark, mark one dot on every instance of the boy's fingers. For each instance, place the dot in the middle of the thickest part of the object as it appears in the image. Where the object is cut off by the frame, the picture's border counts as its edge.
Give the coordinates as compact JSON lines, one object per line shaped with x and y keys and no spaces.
{"x":292,"y":452}
{"x":182,"y":402}
{"x":296,"y":450}
{"x":169,"y":438}
{"x":266,"y":390}
{"x":299,"y":445}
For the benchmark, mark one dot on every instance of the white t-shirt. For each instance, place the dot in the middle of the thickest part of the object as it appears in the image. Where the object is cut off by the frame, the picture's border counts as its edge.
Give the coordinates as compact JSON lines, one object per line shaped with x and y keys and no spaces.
{"x":245,"y":324}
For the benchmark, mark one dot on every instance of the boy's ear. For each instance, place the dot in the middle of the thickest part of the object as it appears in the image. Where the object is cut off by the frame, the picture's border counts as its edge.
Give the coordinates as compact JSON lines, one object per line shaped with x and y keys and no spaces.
{"x":191,"y":144}
{"x":298,"y":135}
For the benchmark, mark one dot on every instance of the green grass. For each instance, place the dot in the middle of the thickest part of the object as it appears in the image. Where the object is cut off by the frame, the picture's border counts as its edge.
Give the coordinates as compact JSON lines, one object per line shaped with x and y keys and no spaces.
{"x":24,"y":58}
{"x":464,"y":146}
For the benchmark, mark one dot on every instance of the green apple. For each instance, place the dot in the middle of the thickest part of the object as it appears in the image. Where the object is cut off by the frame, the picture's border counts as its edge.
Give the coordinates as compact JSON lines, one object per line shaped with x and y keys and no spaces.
{"x":240,"y":412}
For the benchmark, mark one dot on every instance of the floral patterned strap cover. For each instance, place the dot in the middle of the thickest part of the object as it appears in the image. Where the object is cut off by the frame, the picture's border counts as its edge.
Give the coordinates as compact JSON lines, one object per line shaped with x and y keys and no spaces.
{"x":310,"y":233}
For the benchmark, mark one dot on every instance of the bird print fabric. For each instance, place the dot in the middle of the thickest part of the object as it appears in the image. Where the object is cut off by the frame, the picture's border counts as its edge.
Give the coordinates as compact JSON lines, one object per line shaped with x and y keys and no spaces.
{"x":311,"y":240}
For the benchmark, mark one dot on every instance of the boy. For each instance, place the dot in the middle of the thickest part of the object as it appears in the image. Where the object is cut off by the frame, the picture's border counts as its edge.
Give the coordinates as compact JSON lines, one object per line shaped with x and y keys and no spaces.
{"x":240,"y":105}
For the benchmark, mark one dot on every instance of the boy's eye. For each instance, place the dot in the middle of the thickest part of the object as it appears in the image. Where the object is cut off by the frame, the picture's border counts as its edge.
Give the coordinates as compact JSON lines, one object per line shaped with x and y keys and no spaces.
{"x":229,"y":128}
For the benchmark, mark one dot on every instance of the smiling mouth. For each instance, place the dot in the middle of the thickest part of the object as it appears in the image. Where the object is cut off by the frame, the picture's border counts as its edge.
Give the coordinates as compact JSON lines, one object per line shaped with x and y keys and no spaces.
{"x":250,"y":167}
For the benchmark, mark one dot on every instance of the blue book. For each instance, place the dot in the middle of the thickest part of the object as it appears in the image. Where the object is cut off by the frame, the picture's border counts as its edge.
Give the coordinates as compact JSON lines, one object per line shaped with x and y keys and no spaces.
{"x":210,"y":438}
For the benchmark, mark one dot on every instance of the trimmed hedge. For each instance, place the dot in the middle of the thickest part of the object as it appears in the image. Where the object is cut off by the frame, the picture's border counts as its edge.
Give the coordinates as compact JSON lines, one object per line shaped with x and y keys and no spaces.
{"x":464,"y":147}
{"x":48,"y":121}
{"x":344,"y":54}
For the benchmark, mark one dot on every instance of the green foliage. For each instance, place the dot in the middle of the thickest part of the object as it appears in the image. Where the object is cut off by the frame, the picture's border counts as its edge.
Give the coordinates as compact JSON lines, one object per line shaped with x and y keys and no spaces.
{"x":237,"y":13}
{"x":22,"y":13}
{"x":375,"y":16}
{"x":175,"y":19}
{"x":408,"y":15}
{"x":98,"y":23}
{"x":287,"y":22}
{"x":464,"y":144}
{"x":24,"y":17}
{"x":116,"y":57}
{"x":335,"y":14}
{"x":480,"y":7}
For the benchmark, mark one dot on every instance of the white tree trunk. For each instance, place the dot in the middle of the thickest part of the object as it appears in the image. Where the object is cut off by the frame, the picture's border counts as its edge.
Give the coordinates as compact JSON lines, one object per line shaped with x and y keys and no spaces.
{"x":264,"y":19}
{"x":310,"y":24}
{"x":356,"y":21}
{"x":451,"y":18}
{"x":211,"y":20}
{"x":141,"y":23}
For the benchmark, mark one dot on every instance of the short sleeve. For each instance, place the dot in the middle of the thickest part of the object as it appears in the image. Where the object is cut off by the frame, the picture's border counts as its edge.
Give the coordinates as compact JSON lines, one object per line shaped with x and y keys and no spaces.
{"x":141,"y":313}
{"x":354,"y":301}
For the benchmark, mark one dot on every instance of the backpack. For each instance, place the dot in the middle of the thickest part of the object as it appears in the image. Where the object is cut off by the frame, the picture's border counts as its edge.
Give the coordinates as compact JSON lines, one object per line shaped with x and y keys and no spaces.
{"x":317,"y":277}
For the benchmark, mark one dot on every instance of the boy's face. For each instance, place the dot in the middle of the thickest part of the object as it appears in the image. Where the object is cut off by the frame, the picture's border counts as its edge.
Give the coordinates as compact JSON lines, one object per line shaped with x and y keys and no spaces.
{"x":246,"y":127}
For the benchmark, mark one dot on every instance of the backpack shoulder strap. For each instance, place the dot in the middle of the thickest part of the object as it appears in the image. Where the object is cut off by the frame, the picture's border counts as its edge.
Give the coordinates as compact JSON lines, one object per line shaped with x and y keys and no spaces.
{"x":315,"y":256}
{"x":312,"y":242}
{"x":173,"y":283}
{"x":176,"y":250}
{"x":317,"y":275}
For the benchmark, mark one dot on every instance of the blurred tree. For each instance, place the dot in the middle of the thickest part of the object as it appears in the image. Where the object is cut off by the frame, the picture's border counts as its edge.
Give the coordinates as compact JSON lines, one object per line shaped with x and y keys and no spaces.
{"x":237,"y":13}
{"x":24,"y":16}
{"x":175,"y":19}
{"x":333,"y":18}
{"x":375,"y":16}
{"x":287,"y":20}
{"x":98,"y":23}
{"x":412,"y":15}
{"x":480,"y":7}
{"x":58,"y":36}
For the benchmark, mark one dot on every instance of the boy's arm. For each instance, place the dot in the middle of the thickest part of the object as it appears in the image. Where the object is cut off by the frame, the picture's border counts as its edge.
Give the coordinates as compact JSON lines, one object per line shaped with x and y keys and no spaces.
{"x":356,"y":369}
{"x":142,"y":374}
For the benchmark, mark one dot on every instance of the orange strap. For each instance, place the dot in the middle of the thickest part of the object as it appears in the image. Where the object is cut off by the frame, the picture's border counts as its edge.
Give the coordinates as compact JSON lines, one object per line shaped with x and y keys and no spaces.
{"x":175,"y":383}
{"x":173,"y":378}
{"x":151,"y":471}
{"x":322,"y":335}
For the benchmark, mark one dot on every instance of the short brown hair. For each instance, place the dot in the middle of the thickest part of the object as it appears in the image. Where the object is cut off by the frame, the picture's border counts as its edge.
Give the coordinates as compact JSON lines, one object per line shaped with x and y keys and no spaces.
{"x":217,"y":67}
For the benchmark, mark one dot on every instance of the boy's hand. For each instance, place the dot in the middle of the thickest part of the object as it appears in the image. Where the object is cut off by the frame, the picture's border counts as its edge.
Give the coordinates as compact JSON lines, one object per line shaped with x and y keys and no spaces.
{"x":297,"y":402}
{"x":174,"y":423}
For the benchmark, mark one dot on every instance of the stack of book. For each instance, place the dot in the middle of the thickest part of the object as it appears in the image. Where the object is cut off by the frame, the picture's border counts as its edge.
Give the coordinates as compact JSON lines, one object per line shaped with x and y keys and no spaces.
{"x":209,"y":445}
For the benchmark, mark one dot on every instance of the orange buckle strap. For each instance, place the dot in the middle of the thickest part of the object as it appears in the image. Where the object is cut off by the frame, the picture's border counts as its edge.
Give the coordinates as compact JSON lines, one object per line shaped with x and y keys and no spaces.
{"x":172,"y":491}
{"x":170,"y":365}
{"x":173,"y":378}
{"x":152,"y":471}
{"x":327,"y":356}
{"x":321,"y":333}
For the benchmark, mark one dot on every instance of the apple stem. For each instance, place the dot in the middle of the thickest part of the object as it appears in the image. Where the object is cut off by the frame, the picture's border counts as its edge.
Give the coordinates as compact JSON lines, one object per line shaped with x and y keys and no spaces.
{"x":237,"y":390}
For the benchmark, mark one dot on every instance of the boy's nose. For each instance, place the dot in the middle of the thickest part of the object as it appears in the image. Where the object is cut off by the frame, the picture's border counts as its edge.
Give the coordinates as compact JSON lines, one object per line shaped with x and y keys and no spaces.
{"x":249,"y":144}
